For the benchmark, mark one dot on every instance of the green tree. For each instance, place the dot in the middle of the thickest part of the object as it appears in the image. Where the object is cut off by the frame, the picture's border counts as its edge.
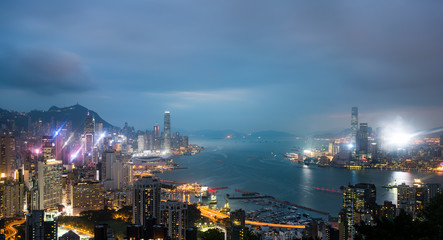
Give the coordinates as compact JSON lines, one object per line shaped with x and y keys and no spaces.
{"x":212,"y":234}
{"x":433,"y":214}
{"x":194,"y":215}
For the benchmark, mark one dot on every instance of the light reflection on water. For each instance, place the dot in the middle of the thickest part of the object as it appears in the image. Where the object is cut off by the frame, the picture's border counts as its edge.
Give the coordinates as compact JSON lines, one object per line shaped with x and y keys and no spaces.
{"x":253,"y":166}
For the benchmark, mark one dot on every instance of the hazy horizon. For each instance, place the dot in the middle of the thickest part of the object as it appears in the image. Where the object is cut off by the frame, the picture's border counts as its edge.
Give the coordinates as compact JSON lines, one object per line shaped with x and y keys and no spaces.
{"x":290,"y":66}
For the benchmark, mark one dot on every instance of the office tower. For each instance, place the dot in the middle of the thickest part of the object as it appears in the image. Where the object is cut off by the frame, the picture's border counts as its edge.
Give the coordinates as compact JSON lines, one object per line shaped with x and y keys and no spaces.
{"x":101,"y":232}
{"x":354,"y":125}
{"x":58,"y":141}
{"x":115,"y":173}
{"x":50,"y":183}
{"x":141,"y":141}
{"x":238,"y":224}
{"x":146,"y":199}
{"x":7,"y":156}
{"x":89,"y":137}
{"x":39,"y":227}
{"x":362,"y":140}
{"x":48,"y":147}
{"x":167,"y":131}
{"x":134,"y":232}
{"x":87,"y":196}
{"x":156,"y":138}
{"x":12,"y":198}
{"x":174,"y":216}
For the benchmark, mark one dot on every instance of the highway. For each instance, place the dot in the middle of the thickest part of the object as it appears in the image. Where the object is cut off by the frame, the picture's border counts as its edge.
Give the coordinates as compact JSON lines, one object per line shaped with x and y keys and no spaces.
{"x":10,"y":230}
{"x":214,"y":214}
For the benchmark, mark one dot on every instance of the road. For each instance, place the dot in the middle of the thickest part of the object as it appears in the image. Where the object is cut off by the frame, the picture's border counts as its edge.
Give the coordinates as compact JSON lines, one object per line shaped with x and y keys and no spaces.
{"x":10,"y":230}
{"x":214,"y":214}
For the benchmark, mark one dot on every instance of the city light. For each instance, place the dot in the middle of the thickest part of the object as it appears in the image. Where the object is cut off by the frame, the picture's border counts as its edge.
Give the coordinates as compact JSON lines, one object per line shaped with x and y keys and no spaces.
{"x":75,"y":154}
{"x":58,"y":131}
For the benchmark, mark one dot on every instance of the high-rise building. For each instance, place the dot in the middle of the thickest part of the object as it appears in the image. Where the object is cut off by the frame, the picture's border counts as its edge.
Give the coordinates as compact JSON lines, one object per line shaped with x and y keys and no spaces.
{"x":354,"y":126}
{"x":48,"y":147}
{"x":7,"y":156}
{"x":87,"y":196}
{"x":146,"y":199}
{"x":173,"y":215}
{"x":12,"y":198}
{"x":358,"y":201}
{"x":141,"y":141}
{"x":156,"y":137}
{"x":115,"y":173}
{"x":238,"y":224}
{"x":50,"y":183}
{"x":362,"y":139}
{"x":167,"y":131}
{"x":89,"y":137}
{"x":39,"y":227}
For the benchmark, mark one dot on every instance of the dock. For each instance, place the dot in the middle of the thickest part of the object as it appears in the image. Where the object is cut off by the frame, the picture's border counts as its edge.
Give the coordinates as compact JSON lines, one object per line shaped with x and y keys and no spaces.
{"x":254,"y":194}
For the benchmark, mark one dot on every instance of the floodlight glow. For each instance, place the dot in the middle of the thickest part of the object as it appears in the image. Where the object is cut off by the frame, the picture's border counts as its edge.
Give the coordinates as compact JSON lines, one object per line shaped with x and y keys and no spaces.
{"x":75,"y":154}
{"x":37,"y":151}
{"x":67,"y":141}
{"x":100,"y":138}
{"x":58,"y":130}
{"x":350,"y":146}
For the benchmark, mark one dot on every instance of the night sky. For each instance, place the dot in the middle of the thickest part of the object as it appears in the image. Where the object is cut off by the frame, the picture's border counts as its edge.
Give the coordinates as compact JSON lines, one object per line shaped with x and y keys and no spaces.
{"x":296,"y":66}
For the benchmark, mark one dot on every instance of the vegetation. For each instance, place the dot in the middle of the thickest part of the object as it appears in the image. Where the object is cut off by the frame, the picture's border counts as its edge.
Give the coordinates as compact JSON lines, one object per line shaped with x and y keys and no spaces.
{"x":212,"y":234}
{"x":117,"y":220}
{"x":194,"y":215}
{"x":404,"y":227}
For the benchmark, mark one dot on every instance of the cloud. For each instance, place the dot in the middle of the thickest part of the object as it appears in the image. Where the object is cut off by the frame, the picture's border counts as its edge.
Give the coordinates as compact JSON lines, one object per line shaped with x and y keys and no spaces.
{"x":45,"y":71}
{"x":187,"y":99}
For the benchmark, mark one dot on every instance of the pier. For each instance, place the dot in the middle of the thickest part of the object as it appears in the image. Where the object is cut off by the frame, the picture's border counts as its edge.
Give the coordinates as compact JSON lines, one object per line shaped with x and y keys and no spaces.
{"x":283,"y":202}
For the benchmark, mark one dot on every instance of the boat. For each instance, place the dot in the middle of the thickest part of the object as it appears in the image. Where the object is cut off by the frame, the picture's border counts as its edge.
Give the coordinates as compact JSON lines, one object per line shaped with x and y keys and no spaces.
{"x":226,"y":208}
{"x":213,"y":199}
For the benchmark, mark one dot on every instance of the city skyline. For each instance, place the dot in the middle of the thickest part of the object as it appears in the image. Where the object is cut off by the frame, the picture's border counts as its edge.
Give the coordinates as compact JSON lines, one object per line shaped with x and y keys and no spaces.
{"x":297,"y":67}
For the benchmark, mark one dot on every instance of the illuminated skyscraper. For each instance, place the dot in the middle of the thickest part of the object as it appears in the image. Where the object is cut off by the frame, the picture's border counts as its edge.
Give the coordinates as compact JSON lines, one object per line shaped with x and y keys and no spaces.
{"x":48,"y":147}
{"x":146,"y":199}
{"x":87,"y":196}
{"x":362,"y":139}
{"x":50,"y":183}
{"x":167,"y":131}
{"x":40,"y":227}
{"x":174,"y":217}
{"x":354,"y":126}
{"x":12,"y":194}
{"x":7,"y":156}
{"x":238,"y":225}
{"x":156,"y":138}
{"x":89,"y":137}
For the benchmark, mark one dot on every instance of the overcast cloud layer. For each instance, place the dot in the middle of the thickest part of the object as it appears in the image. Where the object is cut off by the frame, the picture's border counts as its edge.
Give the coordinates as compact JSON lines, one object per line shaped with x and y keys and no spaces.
{"x":296,"y":66}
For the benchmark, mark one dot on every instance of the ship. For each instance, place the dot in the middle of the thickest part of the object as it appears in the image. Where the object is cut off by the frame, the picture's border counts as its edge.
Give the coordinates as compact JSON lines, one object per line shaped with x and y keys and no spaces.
{"x":226,"y":208}
{"x":213,"y":199}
